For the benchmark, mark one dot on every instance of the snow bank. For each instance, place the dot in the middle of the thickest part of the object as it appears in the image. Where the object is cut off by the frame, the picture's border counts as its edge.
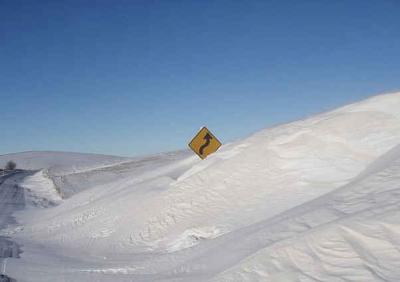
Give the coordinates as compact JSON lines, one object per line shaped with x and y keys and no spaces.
{"x":312,"y":200}
{"x":275,"y":170}
{"x":40,"y":190}
{"x":351,"y":234}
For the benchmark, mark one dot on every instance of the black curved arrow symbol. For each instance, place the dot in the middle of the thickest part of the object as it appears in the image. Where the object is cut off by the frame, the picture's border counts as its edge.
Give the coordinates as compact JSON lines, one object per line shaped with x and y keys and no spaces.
{"x":208,"y":138}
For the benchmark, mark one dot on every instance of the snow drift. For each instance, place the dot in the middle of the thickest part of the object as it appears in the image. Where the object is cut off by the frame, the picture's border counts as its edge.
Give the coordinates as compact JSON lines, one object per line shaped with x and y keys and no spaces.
{"x":313,"y":200}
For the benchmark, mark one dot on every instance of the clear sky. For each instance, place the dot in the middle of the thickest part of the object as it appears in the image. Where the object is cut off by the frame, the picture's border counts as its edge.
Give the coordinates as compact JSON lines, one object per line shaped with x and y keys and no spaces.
{"x":137,"y":77}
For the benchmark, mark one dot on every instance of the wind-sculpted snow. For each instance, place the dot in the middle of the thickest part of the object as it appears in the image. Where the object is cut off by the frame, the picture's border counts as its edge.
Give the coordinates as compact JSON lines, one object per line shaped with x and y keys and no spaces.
{"x":351,"y":234}
{"x":313,"y":200}
{"x":274,"y":170}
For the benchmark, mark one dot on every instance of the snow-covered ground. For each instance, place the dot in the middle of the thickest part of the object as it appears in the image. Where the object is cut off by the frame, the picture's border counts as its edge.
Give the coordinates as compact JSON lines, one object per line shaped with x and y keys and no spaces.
{"x":313,"y":200}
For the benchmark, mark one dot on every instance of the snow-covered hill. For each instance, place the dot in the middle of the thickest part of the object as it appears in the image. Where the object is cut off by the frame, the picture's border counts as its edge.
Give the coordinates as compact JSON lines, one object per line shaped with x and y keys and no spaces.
{"x":313,"y":200}
{"x":69,"y":162}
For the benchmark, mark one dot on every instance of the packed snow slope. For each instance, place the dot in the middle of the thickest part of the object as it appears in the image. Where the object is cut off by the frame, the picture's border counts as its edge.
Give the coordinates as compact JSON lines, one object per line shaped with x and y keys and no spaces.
{"x":313,"y":200}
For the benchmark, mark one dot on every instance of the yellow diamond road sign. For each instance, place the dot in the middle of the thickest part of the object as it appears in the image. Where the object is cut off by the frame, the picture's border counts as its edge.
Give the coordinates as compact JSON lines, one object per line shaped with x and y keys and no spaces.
{"x":204,"y":143}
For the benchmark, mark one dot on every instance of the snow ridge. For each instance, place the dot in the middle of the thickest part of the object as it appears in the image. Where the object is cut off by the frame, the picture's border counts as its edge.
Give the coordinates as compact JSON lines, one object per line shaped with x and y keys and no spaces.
{"x":313,"y":200}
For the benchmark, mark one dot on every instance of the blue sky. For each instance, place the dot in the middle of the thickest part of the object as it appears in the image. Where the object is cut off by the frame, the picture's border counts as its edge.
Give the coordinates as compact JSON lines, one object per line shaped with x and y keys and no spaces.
{"x":137,"y":77}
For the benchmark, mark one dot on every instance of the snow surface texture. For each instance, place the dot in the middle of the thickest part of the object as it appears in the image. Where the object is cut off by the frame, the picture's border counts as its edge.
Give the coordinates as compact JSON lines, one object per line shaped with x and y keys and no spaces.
{"x":313,"y":200}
